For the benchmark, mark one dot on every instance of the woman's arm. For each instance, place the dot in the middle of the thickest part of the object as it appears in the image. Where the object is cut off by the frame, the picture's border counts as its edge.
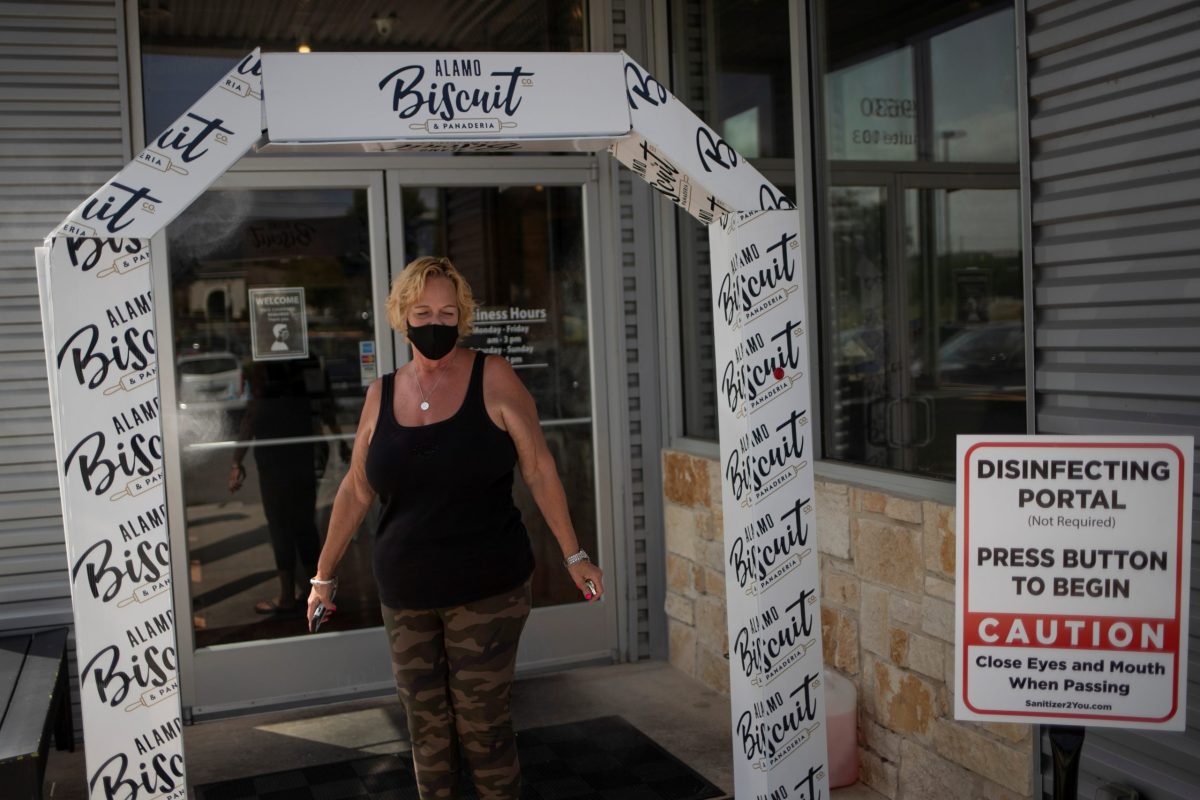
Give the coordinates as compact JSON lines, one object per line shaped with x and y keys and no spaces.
{"x":513,"y":409}
{"x":353,"y":499}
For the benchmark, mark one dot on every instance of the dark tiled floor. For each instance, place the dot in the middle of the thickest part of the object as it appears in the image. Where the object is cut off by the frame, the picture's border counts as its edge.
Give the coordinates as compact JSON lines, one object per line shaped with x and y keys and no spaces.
{"x":687,"y":718}
{"x":599,"y":759}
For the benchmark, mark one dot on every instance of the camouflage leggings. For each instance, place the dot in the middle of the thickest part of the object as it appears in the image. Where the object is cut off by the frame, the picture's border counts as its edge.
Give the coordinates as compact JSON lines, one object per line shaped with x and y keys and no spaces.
{"x":454,"y":670}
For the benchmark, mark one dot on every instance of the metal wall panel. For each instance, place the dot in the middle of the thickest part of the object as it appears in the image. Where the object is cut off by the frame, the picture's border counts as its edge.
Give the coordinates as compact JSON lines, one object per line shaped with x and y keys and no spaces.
{"x":1114,"y":130}
{"x":62,"y":134}
{"x":642,"y":491}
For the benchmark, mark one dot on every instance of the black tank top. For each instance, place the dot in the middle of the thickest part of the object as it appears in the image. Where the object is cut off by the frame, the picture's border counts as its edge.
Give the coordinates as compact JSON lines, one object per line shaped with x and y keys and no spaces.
{"x":450,"y":532}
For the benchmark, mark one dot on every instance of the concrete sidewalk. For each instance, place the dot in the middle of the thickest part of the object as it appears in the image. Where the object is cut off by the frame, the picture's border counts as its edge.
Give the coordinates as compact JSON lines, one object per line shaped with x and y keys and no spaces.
{"x":681,"y":714}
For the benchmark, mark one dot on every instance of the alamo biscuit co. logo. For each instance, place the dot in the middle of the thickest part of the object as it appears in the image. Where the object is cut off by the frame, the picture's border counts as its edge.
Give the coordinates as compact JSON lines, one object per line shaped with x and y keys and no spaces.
{"x":251,"y":65}
{"x":111,"y":210}
{"x":121,"y":358}
{"x":452,"y":97}
{"x":190,"y":142}
{"x":88,"y":252}
{"x":132,"y":467}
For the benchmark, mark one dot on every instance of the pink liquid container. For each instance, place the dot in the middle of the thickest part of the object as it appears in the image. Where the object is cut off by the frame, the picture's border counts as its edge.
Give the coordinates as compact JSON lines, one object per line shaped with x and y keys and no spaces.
{"x":841,"y":717}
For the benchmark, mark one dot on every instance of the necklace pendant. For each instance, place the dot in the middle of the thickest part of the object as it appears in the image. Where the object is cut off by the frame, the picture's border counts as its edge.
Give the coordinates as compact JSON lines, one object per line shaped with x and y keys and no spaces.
{"x":424,"y":405}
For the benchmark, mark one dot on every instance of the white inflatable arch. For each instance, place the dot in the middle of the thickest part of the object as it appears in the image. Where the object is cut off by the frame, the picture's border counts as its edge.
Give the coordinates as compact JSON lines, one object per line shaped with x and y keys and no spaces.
{"x":102,"y":368}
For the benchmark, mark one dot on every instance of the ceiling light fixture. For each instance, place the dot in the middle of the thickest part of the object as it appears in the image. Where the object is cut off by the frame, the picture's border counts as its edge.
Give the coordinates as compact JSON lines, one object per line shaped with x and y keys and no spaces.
{"x":383,"y":24}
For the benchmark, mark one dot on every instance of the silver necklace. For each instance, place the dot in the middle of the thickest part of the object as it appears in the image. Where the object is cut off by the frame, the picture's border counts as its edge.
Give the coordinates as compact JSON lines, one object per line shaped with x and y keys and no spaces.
{"x":426,"y":395}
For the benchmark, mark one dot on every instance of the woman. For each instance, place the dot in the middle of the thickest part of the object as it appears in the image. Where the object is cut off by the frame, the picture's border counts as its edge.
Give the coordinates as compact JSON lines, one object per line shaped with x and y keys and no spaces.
{"x":438,"y":441}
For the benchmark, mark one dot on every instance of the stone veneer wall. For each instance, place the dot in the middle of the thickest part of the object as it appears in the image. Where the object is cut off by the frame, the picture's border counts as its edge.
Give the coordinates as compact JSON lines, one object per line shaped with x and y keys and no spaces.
{"x":887,"y":619}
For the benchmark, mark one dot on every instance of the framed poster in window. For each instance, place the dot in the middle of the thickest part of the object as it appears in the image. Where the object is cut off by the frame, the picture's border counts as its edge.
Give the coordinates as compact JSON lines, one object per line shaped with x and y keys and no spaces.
{"x":278,"y":324}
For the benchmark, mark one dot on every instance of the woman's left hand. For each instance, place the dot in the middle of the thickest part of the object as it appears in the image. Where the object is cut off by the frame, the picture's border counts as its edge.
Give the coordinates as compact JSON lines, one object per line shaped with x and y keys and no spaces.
{"x":585,"y":571}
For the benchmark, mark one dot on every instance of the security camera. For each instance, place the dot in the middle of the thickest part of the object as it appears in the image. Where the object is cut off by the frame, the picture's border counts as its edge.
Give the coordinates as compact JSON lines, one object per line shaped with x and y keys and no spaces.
{"x":383,"y":25}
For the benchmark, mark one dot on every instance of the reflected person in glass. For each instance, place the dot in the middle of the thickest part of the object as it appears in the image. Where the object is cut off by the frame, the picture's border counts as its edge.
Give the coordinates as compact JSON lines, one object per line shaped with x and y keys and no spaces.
{"x":280,"y":422}
{"x":438,"y":441}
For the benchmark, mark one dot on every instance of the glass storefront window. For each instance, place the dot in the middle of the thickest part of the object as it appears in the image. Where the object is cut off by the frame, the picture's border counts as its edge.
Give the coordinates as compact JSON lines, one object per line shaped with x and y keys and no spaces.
{"x":731,"y":65}
{"x":921,"y":312}
{"x":187,"y":45}
{"x":975,"y":108}
{"x":904,"y":82}
{"x":750,"y":83}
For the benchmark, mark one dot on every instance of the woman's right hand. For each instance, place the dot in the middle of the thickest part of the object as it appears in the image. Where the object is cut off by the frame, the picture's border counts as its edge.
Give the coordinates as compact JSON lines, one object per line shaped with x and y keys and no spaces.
{"x":321,"y":593}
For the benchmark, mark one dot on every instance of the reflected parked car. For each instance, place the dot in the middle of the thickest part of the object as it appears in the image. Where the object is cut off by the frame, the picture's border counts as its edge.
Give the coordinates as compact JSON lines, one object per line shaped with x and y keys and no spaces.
{"x":211,"y":382}
{"x":988,"y":355}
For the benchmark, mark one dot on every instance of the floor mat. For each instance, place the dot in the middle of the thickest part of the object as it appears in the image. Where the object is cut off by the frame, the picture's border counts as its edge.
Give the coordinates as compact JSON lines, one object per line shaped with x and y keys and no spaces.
{"x":597,"y":759}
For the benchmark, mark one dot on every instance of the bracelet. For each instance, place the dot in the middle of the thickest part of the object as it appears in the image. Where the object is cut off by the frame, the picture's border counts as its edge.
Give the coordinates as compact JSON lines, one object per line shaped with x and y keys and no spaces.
{"x":319,"y":582}
{"x":572,"y":560}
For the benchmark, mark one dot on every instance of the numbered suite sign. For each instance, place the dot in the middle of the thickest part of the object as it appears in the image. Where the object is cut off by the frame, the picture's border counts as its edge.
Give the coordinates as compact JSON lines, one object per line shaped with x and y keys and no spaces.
{"x":1074,"y":556}
{"x":771,"y":578}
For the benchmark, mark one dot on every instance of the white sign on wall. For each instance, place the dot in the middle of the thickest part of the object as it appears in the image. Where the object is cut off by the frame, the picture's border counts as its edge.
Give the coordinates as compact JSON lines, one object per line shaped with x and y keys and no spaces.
{"x":1074,"y":556}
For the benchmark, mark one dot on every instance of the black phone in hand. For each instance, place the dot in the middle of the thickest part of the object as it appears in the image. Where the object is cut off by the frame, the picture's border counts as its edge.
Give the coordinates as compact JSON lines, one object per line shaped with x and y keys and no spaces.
{"x":318,"y":616}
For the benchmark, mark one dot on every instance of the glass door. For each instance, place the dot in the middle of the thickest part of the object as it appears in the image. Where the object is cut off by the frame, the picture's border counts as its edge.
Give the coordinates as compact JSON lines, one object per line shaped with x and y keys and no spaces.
{"x":860,"y":308}
{"x":523,"y":246}
{"x":275,"y":288}
{"x":926,"y":314}
{"x":964,"y":335}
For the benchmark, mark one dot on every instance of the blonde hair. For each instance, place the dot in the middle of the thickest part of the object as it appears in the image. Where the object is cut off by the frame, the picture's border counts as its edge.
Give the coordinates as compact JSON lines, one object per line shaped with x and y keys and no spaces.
{"x":410,"y":283}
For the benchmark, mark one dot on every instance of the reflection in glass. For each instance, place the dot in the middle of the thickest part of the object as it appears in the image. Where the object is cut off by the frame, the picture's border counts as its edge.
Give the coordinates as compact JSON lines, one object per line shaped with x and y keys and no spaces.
{"x":909,"y":80}
{"x":974,"y":75}
{"x":733,"y":69}
{"x":751,"y":80}
{"x":696,"y":343}
{"x":965,"y":320}
{"x":187,"y":45}
{"x":251,"y":547}
{"x":522,"y":250}
{"x":871,"y":109}
{"x":856,"y":315}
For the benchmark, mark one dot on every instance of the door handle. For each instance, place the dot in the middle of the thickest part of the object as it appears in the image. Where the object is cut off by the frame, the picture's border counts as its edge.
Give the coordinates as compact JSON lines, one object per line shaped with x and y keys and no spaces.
{"x":873,"y":432}
{"x":926,"y":406}
{"x":892,"y":440}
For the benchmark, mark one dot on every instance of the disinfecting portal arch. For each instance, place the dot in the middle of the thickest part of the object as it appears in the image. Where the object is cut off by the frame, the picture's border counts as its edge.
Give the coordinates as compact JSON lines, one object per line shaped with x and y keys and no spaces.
{"x":104,"y":391}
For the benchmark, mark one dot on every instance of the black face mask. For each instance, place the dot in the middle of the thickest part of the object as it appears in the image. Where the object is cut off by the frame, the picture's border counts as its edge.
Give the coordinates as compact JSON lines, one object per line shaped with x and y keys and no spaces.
{"x":433,"y":341}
